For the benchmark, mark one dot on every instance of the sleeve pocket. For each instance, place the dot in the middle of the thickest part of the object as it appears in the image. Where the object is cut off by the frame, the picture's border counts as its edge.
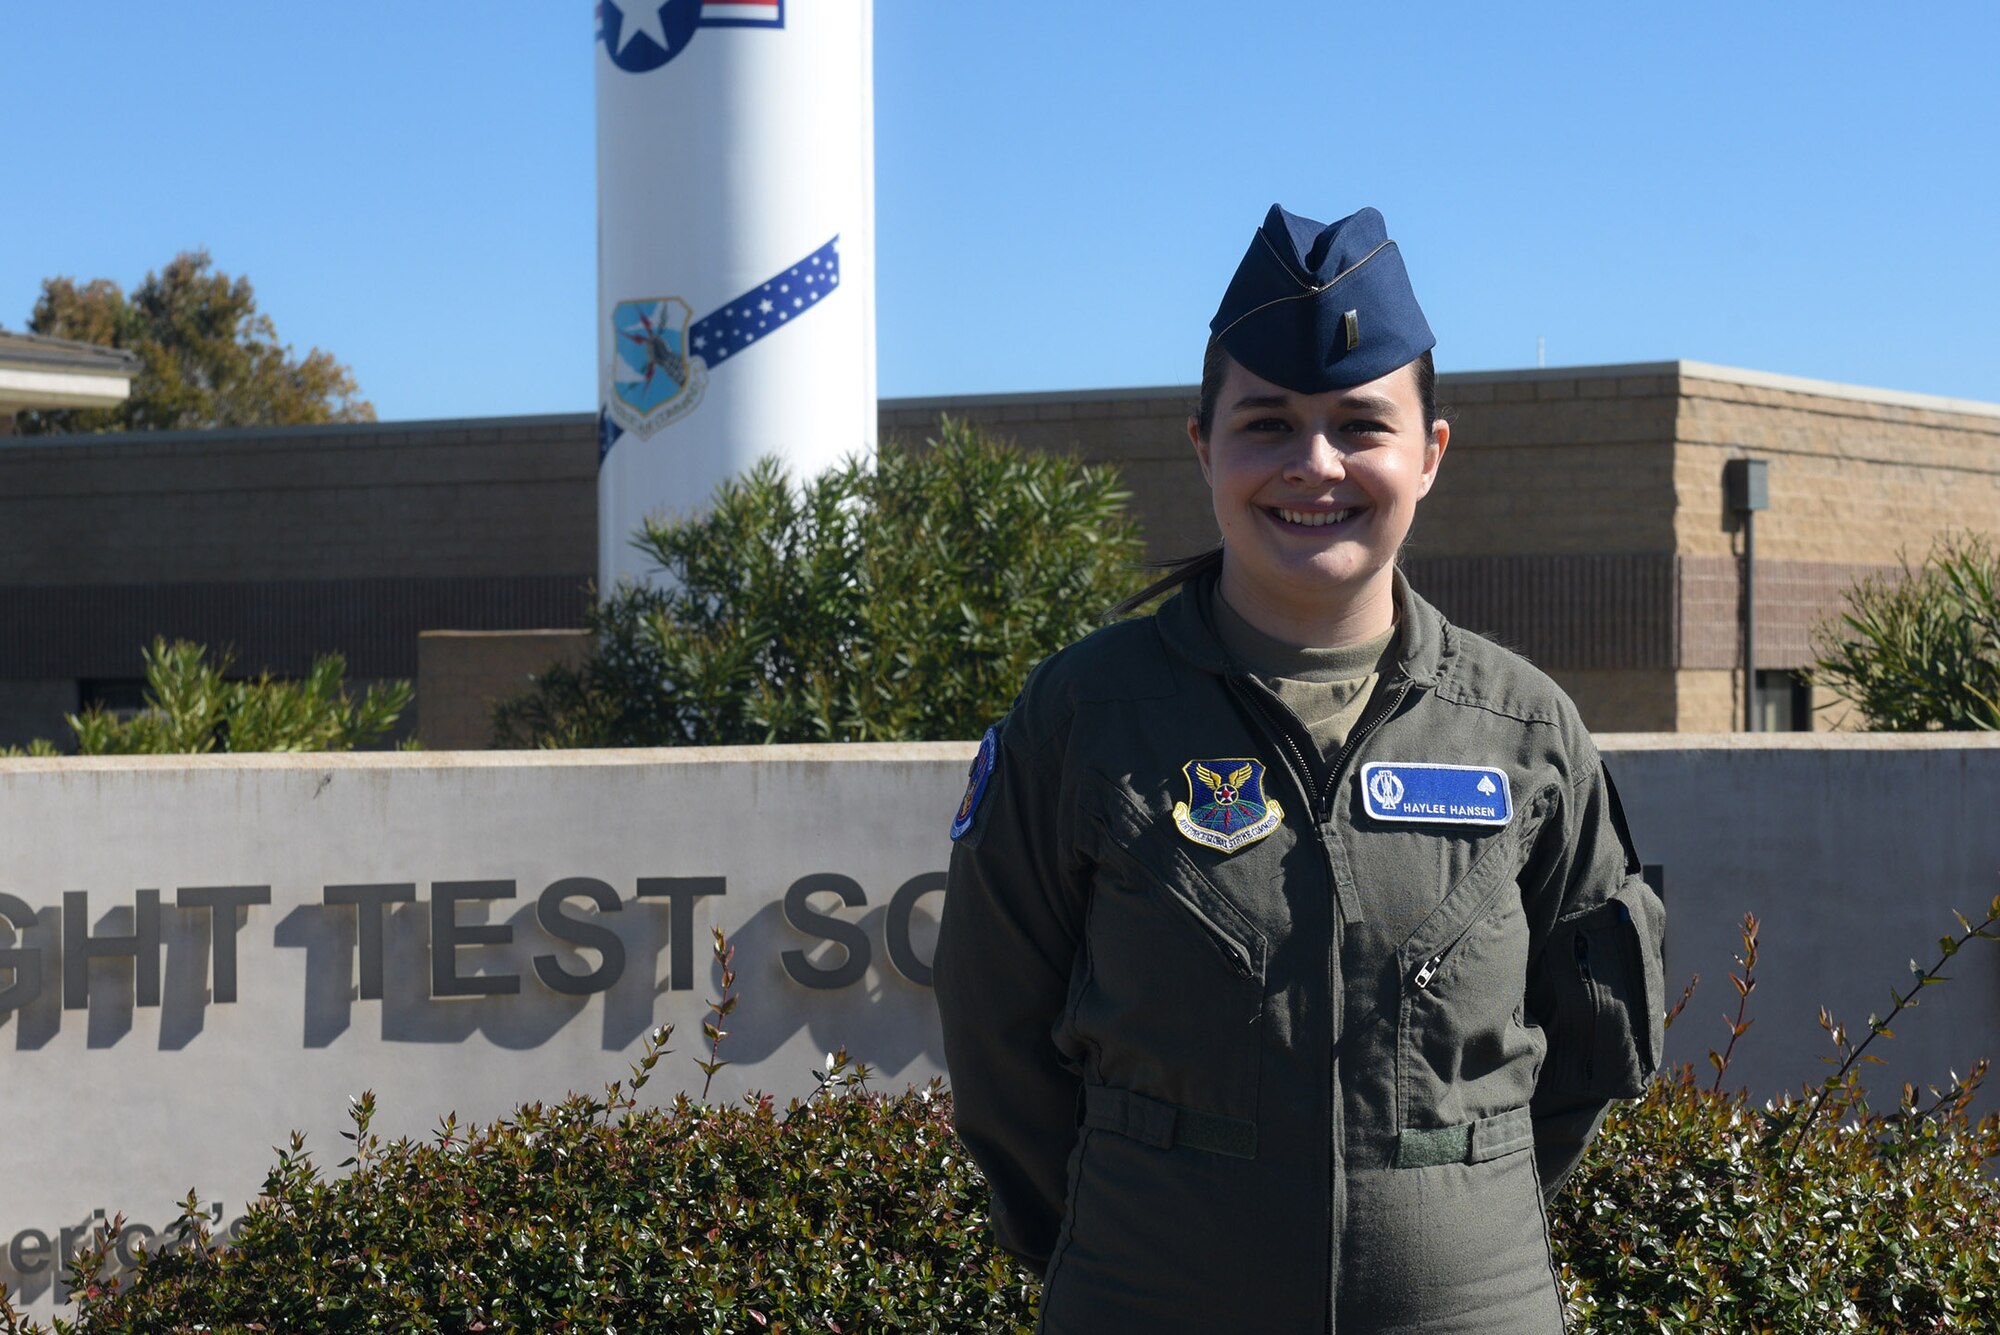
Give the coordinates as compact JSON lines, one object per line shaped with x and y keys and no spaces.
{"x":1602,"y":968}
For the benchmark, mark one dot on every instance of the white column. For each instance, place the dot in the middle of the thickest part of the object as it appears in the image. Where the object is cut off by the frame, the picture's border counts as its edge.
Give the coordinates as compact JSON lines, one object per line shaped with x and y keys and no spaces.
{"x":736,"y":251}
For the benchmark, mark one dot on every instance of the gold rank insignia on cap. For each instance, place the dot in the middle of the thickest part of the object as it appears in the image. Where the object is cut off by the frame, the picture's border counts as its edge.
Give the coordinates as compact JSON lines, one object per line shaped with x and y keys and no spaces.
{"x":1226,"y":807}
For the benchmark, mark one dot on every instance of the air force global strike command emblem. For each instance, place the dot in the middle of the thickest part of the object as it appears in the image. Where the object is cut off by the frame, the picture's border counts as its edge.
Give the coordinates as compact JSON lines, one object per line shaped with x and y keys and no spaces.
{"x":654,"y":379}
{"x":1226,"y":806}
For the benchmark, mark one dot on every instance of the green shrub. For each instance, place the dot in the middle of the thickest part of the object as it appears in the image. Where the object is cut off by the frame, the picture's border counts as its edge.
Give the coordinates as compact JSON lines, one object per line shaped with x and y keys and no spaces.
{"x":1697,"y":1210}
{"x":902,"y":602}
{"x":1920,"y":651}
{"x":1688,"y":1215}
{"x":190,"y":707}
{"x":1694,"y":1211}
{"x":848,"y":1211}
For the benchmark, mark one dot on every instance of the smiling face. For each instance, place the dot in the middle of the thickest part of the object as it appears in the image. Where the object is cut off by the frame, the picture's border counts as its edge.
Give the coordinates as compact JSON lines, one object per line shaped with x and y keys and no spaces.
{"x":1314,"y":494}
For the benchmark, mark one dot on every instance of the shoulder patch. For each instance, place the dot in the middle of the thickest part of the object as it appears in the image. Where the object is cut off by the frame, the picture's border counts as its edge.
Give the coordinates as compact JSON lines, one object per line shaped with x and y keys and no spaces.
{"x":975,"y":782}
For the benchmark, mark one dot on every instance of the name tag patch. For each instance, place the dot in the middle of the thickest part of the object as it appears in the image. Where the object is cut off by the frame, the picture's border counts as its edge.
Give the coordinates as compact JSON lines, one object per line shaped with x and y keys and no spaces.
{"x":1436,"y":794}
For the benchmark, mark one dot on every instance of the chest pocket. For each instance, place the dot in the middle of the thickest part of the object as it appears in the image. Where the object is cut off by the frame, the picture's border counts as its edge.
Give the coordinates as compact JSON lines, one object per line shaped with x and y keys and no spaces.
{"x":1172,"y":1008}
{"x":1464,"y":1049}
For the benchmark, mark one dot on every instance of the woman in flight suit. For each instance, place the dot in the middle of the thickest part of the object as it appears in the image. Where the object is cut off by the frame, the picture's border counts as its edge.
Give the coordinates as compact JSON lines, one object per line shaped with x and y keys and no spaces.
{"x":1294,"y":943}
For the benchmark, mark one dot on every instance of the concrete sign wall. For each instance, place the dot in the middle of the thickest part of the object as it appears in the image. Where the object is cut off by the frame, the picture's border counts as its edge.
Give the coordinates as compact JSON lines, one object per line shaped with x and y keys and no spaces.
{"x":198,"y":956}
{"x":1853,"y":850}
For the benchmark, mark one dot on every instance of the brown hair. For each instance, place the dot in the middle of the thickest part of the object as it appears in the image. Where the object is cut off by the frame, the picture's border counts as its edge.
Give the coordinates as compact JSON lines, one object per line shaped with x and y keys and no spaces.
{"x":1215,"y":363}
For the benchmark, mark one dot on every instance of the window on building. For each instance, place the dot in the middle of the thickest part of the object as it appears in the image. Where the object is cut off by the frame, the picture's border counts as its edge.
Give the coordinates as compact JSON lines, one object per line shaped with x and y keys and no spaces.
{"x":1784,"y":701}
{"x":123,"y":696}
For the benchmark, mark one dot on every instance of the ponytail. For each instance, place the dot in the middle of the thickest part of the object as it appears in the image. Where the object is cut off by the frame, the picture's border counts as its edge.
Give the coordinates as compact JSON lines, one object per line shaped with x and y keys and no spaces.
{"x":1179,"y":570}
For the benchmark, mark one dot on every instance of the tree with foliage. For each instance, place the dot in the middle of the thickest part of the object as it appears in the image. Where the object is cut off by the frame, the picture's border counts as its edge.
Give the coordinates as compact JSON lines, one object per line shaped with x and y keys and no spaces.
{"x":1920,"y":651}
{"x":208,"y":357}
{"x":902,"y":602}
{"x":191,"y":707}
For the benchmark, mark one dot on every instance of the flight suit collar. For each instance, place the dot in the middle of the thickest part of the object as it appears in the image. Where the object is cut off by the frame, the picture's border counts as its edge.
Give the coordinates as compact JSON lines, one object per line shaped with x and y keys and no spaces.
{"x":1187,"y":627}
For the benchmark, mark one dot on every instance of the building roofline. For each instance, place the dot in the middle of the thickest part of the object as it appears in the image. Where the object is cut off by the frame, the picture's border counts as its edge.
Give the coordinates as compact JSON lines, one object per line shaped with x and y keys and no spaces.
{"x":224,"y":435}
{"x":1682,"y":369}
{"x":1834,"y":389}
{"x":1118,"y":395}
{"x":23,"y":349}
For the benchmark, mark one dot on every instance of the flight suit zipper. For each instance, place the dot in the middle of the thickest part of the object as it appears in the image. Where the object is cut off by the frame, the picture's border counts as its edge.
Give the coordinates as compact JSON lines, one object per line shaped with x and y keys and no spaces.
{"x":1371,"y":720}
{"x":1279,"y":718}
{"x":1362,"y":732}
{"x":1426,"y":971}
{"x":1429,"y":968}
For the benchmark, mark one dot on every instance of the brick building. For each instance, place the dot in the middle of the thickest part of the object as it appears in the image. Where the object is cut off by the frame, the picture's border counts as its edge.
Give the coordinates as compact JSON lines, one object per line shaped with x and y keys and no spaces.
{"x":1579,"y":518}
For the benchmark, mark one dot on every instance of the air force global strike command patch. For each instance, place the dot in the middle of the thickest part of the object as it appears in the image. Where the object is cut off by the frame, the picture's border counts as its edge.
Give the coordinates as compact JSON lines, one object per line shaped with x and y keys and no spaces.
{"x":975,"y":783}
{"x":1226,"y":806}
{"x":1436,"y":794}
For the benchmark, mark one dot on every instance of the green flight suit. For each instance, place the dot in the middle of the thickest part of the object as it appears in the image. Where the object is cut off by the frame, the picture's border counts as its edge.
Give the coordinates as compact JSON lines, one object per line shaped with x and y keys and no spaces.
{"x":1325,"y":1081}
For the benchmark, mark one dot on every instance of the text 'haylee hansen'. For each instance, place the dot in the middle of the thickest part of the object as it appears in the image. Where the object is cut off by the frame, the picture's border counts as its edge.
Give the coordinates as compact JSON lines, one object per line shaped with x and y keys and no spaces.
{"x":558,"y":915}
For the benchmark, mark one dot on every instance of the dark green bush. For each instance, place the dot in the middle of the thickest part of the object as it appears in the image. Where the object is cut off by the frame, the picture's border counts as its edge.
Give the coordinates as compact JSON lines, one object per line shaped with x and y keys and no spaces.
{"x":1685,"y":1216}
{"x":849,"y":1211}
{"x":1920,"y":651}
{"x":1695,"y":1211}
{"x":192,"y":707}
{"x":902,"y":602}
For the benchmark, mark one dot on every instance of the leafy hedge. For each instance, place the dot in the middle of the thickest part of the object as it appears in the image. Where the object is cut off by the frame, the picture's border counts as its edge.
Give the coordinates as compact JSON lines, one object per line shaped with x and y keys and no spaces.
{"x":192,"y":706}
{"x":848,"y":1212}
{"x":1685,"y":1216}
{"x":1920,"y":650}
{"x":900,"y":602}
{"x":853,"y":1211}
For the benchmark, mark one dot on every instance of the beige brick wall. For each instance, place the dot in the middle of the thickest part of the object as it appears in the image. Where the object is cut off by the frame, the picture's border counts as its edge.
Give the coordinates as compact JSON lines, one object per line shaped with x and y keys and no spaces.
{"x":462,"y":674}
{"x":1795,"y":599}
{"x":1852,"y":480}
{"x":1711,"y":700}
{"x":1857,"y":478}
{"x":1621,"y":700}
{"x":1540,"y":463}
{"x":1624,"y":459}
{"x":1543,"y":464}
{"x":1708,"y":701}
{"x":1833,"y":714}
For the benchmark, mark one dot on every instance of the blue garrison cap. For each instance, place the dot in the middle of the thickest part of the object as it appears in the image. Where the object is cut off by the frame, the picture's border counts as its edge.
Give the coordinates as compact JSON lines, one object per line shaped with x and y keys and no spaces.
{"x":1319,"y":306}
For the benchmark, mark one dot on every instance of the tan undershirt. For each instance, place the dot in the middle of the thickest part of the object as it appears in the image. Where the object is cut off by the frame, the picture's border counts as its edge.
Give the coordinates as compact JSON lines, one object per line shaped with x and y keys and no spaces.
{"x":1327,"y":688}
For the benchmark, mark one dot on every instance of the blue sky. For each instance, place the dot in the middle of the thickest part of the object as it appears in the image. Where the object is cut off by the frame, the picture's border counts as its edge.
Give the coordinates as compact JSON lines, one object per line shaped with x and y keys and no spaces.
{"x":1061,"y":190}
